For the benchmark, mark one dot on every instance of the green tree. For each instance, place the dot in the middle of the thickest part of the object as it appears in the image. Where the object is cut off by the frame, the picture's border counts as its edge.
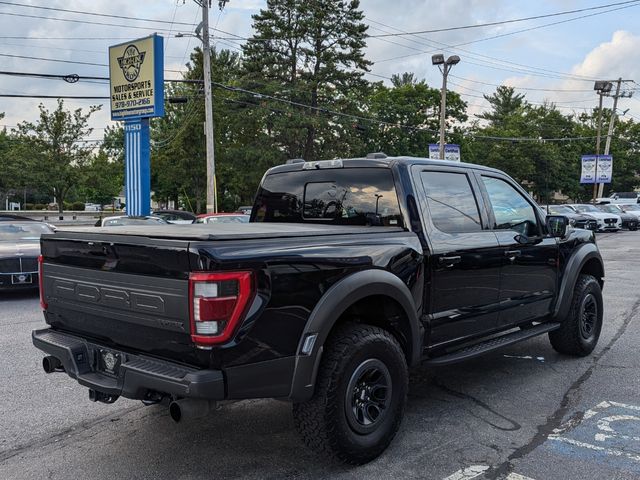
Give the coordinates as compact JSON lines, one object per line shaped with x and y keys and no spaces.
{"x":53,"y":147}
{"x":101,"y":178}
{"x":525,"y":141}
{"x":400,"y":80}
{"x":411,"y":111}
{"x":178,"y":155}
{"x":504,"y":103}
{"x":310,"y":53}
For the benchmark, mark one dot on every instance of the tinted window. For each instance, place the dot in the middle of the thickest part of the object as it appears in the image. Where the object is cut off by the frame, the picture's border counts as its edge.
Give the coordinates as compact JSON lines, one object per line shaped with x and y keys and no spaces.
{"x":451,"y":202}
{"x":510,"y":208}
{"x":349,"y":196}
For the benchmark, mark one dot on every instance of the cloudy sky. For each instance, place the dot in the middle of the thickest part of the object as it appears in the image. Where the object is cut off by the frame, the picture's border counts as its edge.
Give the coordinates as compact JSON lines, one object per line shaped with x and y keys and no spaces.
{"x":554,"y":58}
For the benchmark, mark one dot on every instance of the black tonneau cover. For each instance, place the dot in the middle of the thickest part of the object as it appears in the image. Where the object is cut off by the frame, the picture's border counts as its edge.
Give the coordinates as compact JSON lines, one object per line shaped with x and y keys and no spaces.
{"x":216,"y":232}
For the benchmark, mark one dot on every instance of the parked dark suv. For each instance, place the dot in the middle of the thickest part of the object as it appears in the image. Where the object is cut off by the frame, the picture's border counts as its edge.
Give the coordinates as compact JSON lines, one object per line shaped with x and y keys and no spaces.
{"x":350,"y":273}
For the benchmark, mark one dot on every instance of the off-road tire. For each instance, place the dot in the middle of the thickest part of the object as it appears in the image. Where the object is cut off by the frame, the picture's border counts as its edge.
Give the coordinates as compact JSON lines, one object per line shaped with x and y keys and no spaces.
{"x":573,"y":337}
{"x":329,"y":421}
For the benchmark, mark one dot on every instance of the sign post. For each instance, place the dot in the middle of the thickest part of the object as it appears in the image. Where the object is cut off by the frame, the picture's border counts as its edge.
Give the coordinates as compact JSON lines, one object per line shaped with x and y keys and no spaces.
{"x":136,"y":77}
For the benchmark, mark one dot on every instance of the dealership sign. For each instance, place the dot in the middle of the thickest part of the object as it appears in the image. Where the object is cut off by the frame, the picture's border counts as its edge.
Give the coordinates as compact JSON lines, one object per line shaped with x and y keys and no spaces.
{"x":596,"y":169}
{"x":136,"y":75}
{"x":604,"y":170}
{"x":136,"y":79}
{"x":451,"y":151}
{"x":588,"y":174}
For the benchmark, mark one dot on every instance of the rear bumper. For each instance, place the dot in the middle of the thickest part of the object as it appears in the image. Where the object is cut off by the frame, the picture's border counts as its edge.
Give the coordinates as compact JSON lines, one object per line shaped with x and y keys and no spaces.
{"x":136,"y":376}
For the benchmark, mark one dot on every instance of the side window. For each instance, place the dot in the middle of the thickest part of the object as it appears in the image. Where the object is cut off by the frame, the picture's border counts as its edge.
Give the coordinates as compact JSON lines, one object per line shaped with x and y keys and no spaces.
{"x":510,"y":208}
{"x":451,"y":202}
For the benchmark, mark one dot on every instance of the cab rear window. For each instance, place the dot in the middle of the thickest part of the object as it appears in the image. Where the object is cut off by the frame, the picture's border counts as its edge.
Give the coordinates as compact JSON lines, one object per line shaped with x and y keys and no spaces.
{"x":349,"y":196}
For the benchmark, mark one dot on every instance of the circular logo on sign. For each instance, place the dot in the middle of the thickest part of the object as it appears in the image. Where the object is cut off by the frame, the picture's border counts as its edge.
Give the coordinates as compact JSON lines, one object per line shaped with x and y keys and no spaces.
{"x":130,"y":62}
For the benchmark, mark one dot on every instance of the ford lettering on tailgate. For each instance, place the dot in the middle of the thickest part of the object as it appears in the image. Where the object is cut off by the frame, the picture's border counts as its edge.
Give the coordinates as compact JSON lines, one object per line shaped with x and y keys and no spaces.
{"x":135,"y":301}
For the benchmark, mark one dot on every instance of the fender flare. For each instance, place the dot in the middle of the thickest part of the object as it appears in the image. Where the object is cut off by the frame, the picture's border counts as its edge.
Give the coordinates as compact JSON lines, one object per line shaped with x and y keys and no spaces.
{"x":336,"y":300}
{"x":574,"y":266}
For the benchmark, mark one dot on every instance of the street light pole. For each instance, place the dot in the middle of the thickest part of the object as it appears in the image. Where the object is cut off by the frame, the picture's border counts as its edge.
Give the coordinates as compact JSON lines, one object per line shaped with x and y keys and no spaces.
{"x":595,"y":185}
{"x":443,"y":108}
{"x":607,"y":145}
{"x":603,"y":87}
{"x":212,"y":203}
{"x":438,"y":60}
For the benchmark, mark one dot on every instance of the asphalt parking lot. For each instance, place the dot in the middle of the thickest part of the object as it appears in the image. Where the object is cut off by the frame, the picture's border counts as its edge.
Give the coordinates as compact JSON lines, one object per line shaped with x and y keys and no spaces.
{"x":522,"y":413}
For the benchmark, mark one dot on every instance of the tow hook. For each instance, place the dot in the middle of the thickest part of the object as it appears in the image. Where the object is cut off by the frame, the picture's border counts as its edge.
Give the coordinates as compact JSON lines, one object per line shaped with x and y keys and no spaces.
{"x":96,"y":396}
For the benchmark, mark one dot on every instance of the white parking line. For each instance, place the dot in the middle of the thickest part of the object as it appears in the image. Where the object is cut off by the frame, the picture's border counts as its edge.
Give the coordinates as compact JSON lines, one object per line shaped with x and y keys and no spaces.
{"x":468,"y":473}
{"x":475,"y":471}
{"x":517,"y":476}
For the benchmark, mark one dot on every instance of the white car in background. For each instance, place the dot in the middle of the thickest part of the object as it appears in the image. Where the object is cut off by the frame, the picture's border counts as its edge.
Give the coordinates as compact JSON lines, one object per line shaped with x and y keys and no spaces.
{"x":620,"y":198}
{"x":607,"y":222}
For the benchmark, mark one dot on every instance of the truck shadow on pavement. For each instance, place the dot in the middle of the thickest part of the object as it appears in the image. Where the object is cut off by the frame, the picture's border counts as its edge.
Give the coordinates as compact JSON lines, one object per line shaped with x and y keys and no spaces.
{"x":471,"y":411}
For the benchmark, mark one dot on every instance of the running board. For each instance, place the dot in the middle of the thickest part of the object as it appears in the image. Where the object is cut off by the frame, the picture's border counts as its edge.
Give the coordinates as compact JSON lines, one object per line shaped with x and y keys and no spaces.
{"x":495,"y":343}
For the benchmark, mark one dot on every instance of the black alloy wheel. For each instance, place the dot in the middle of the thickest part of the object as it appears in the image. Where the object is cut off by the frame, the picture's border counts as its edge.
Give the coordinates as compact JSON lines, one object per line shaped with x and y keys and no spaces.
{"x":588,"y":316}
{"x":368,"y":395}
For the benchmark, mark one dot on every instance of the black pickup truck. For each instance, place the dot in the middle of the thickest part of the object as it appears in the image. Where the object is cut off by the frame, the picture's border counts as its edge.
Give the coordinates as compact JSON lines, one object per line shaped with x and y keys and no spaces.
{"x":350,"y":272}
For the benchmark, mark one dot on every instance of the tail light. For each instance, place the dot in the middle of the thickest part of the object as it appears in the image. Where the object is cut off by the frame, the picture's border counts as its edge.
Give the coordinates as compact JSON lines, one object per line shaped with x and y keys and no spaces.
{"x":218,"y":302}
{"x":43,"y":304}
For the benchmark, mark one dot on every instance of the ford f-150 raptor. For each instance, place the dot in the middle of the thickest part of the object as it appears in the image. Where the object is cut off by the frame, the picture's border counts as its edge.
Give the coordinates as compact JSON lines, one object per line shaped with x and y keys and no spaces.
{"x":349,"y":273}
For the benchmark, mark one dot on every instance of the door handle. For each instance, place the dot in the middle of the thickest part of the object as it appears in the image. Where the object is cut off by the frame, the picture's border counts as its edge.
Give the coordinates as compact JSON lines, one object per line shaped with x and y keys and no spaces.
{"x":450,"y":261}
{"x":512,"y":253}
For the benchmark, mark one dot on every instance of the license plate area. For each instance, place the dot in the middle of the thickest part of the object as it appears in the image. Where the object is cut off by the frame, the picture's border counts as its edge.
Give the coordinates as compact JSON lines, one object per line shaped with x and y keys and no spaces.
{"x":109,"y":361}
{"x":21,"y":279}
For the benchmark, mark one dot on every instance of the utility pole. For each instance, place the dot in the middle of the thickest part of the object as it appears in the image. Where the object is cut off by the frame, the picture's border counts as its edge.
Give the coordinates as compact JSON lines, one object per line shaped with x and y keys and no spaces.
{"x":604,"y":87}
{"x":438,"y":60}
{"x":212,"y":203}
{"x":595,"y":185}
{"x":607,"y":145}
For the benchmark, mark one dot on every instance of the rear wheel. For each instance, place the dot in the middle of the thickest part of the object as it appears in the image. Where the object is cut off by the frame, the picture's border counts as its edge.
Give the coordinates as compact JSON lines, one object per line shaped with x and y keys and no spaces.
{"x":360,"y":395}
{"x":580,"y":330}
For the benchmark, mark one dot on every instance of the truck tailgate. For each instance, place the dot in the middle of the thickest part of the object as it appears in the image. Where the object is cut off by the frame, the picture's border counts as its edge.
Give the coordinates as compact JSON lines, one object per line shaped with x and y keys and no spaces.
{"x":132,"y":294}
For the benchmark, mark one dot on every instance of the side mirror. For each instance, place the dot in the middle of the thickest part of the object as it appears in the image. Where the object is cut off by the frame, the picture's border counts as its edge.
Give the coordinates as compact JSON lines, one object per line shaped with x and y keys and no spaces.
{"x":557,"y":225}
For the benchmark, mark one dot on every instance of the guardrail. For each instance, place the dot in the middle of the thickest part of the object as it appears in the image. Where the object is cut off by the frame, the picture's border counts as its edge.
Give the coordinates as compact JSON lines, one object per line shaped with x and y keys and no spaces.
{"x":69,"y":217}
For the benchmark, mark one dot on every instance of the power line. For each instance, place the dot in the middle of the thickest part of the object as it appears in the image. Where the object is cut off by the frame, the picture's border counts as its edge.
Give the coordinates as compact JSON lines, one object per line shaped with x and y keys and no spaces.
{"x":521,"y":68}
{"x":76,"y":97}
{"x":334,"y":113}
{"x":523,"y":88}
{"x":27,"y":57}
{"x":575,"y":77}
{"x":86,"y":22}
{"x":108,"y":15}
{"x":74,"y":78}
{"x":48,"y":47}
{"x":31,"y":37}
{"x":503,"y":22}
{"x":96,"y":14}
